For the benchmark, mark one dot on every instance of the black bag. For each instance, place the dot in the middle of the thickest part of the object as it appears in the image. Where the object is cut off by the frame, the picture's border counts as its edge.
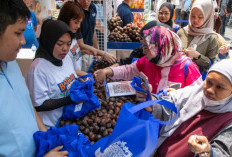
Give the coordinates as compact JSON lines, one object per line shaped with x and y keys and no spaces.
{"x":229,"y":6}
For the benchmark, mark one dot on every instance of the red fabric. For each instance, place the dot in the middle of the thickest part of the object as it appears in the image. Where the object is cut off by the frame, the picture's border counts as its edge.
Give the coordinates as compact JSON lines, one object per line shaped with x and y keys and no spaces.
{"x":176,"y":74}
{"x":203,"y":124}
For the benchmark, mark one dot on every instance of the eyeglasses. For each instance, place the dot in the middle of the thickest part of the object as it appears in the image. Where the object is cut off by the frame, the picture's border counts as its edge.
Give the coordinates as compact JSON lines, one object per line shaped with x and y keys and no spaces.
{"x":164,"y":13}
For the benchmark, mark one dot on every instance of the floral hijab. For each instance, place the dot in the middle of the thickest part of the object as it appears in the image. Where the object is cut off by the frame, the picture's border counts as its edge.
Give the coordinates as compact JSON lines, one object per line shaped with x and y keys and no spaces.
{"x":164,"y":45}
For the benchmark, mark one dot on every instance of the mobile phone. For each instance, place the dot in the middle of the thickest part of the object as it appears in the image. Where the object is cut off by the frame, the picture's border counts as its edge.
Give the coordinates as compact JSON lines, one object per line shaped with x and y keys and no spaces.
{"x":145,"y":80}
{"x":175,"y":86}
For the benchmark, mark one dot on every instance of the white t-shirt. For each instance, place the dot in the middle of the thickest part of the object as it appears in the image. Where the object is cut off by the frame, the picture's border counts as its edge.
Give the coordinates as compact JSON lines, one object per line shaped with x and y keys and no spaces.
{"x":75,"y":54}
{"x":47,"y":81}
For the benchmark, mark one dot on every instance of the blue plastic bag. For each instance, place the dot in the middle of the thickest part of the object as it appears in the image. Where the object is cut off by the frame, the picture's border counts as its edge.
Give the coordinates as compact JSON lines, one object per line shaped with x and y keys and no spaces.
{"x":74,"y":142}
{"x":135,"y":134}
{"x":203,"y":75}
{"x":137,"y":85}
{"x":134,"y":59}
{"x":81,"y":92}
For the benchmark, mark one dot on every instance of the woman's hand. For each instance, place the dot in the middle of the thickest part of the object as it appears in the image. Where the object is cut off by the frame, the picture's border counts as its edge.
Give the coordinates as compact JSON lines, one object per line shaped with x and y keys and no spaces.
{"x":224,"y":49}
{"x":55,"y":152}
{"x":141,"y":96}
{"x":100,"y":75}
{"x":190,"y":52}
{"x":109,"y":58}
{"x":81,"y":73}
{"x":169,"y":90}
{"x":198,"y":144}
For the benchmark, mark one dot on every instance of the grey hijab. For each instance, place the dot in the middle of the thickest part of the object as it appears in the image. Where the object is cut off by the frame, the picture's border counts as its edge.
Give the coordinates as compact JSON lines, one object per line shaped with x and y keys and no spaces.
{"x":206,"y":30}
{"x":189,"y":101}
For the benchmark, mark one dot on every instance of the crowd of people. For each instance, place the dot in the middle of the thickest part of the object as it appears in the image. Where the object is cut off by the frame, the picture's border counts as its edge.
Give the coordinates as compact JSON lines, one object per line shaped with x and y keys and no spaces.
{"x":194,"y":56}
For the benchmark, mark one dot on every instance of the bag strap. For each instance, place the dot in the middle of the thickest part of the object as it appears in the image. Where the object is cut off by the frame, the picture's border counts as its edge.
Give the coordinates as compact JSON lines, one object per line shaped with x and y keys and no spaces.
{"x":134,"y":59}
{"x":163,"y":92}
{"x":137,"y":85}
{"x":165,"y":103}
{"x":186,"y":68}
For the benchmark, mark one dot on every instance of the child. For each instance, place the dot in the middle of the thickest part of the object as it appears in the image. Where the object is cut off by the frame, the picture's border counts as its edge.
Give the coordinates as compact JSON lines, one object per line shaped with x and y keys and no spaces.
{"x":52,"y":72}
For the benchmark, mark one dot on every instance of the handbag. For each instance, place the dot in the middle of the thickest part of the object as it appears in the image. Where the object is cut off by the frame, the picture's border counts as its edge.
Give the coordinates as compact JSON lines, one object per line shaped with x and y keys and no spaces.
{"x":135,"y":134}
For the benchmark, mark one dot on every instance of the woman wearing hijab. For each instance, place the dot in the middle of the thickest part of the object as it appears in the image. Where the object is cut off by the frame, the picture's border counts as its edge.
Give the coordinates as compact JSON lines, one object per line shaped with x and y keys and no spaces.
{"x":198,"y":37}
{"x":163,"y":62}
{"x":165,"y":15}
{"x":204,"y":124}
{"x":52,"y":72}
{"x":72,"y":14}
{"x":138,"y":52}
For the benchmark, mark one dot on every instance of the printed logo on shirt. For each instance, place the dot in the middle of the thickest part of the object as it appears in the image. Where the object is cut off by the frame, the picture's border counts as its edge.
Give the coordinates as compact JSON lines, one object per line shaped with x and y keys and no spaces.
{"x":74,"y":50}
{"x":94,"y":14}
{"x":66,"y":85}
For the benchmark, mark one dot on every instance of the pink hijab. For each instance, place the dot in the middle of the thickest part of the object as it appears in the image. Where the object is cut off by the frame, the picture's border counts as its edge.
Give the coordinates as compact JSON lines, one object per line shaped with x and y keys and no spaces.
{"x":164,"y":44}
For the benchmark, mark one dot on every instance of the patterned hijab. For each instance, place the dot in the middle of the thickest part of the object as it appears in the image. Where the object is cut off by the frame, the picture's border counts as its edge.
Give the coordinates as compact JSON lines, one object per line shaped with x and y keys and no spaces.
{"x":190,"y":100}
{"x":202,"y":33}
{"x":164,"y":45}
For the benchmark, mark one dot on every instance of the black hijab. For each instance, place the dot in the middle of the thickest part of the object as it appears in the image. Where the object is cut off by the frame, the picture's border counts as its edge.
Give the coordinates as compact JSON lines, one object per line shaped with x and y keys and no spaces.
{"x":171,"y":9}
{"x":51,"y":31}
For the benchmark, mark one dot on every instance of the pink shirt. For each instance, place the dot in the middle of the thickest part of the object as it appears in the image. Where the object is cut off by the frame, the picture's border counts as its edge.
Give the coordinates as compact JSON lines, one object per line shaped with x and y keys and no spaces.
{"x":160,"y":77}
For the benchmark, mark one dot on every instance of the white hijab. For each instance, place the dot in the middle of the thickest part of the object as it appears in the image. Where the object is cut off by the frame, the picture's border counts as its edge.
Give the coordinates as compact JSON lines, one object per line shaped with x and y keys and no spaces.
{"x":189,"y":101}
{"x":202,"y":33}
